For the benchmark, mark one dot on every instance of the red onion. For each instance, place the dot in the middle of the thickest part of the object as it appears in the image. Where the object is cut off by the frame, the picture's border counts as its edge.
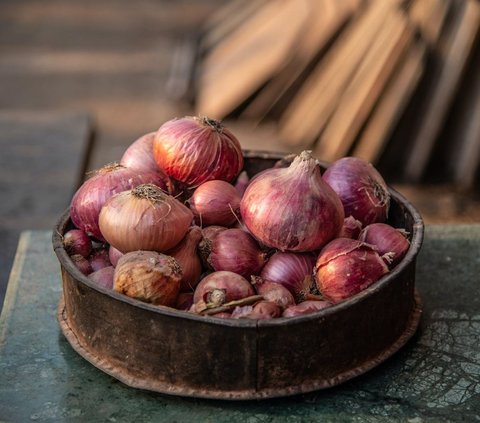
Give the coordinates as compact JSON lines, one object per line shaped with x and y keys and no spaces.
{"x":292,"y":208}
{"x":222,"y":287}
{"x":306,"y":307}
{"x":292,"y":270}
{"x":274,"y":292}
{"x":361,"y":188}
{"x":76,"y":241}
{"x":242,"y":183}
{"x":351,"y":228}
{"x":148,"y":276}
{"x":205,"y":245}
{"x":186,"y":254}
{"x":92,"y":195}
{"x":345,"y":267}
{"x":103,"y":277}
{"x":184,"y":301}
{"x":237,"y":251}
{"x":139,"y":156}
{"x":215,"y":203}
{"x":390,"y":243}
{"x":99,"y":259}
{"x":263,"y":310}
{"x":193,"y":150}
{"x":81,"y":263}
{"x":114,"y":255}
{"x":145,"y":218}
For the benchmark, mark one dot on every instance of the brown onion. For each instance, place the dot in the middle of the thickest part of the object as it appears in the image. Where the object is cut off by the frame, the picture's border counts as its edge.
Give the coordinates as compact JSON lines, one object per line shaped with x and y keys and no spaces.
{"x":292,"y":270}
{"x":273,"y":292}
{"x":194,"y":150}
{"x":390,"y":243}
{"x":351,"y":228}
{"x":215,"y":203}
{"x":361,"y":188}
{"x":145,"y":218}
{"x":237,"y":251}
{"x":292,"y":209}
{"x":92,"y":195}
{"x":219,"y":288}
{"x":345,"y":267}
{"x":76,"y":241}
{"x":305,"y":307}
{"x":148,"y":276}
{"x":186,"y":254}
{"x":103,"y":277}
{"x":205,"y":245}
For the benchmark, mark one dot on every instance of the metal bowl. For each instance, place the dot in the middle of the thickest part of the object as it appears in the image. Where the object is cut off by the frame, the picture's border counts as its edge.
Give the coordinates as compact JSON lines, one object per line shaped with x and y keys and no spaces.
{"x":174,"y":352}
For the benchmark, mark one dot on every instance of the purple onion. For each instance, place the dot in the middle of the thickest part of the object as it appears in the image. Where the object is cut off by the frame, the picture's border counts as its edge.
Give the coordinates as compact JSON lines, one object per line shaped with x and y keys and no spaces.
{"x":92,"y":195}
{"x":292,"y":270}
{"x":242,"y":183}
{"x":351,"y":228}
{"x":263,"y":310}
{"x":237,"y":251}
{"x":184,"y":301}
{"x":361,"y":188}
{"x":103,"y":277}
{"x":390,"y":243}
{"x":306,"y":307}
{"x":205,"y":245}
{"x":76,"y":241}
{"x":274,"y":292}
{"x":99,"y":259}
{"x":81,"y":263}
{"x":114,"y":255}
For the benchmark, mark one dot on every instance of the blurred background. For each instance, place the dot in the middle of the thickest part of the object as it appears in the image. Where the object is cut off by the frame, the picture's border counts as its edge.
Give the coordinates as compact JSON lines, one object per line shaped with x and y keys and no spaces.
{"x":395,"y":82}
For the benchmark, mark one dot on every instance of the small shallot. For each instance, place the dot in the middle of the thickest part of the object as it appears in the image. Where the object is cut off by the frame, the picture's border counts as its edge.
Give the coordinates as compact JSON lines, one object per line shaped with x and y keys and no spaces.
{"x":148,"y":276}
{"x":76,"y":241}
{"x":81,"y":263}
{"x":103,"y":277}
{"x":391,"y":243}
{"x":114,"y":255}
{"x":205,"y":245}
{"x":274,"y":292}
{"x":99,"y":259}
{"x":345,"y":267}
{"x":263,"y":310}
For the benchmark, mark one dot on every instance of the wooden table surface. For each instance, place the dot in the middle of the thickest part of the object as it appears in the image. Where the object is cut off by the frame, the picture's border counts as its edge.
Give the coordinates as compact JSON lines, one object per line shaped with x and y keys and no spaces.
{"x":435,"y":377}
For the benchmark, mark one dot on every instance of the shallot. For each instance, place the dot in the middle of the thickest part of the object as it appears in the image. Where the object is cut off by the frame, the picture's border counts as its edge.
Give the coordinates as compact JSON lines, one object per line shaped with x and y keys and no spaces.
{"x":76,"y":241}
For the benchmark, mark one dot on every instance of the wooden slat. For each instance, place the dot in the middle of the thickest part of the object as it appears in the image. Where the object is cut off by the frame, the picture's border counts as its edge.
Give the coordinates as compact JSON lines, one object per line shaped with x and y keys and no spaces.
{"x":365,"y":87}
{"x":429,"y":17}
{"x":453,"y":54}
{"x":309,"y":111}
{"x":241,"y":63}
{"x":393,"y":101}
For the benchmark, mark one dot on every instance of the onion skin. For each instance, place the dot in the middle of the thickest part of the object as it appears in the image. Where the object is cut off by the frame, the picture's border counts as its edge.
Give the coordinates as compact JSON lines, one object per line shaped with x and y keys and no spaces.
{"x":193,"y":150}
{"x":275,"y":293}
{"x":351,"y":228}
{"x":205,"y":245}
{"x":186,"y":254}
{"x":292,"y":209}
{"x":103,"y":277}
{"x":305,"y":307}
{"x":361,"y":188}
{"x":92,"y":195}
{"x":144,"y":218}
{"x":148,"y":276}
{"x":237,"y":251}
{"x":242,"y":182}
{"x":76,"y":241}
{"x":215,"y":203}
{"x":345,"y":267}
{"x":390,"y":243}
{"x":292,"y":270}
{"x":184,"y":301}
{"x":82,"y":264}
{"x":234,"y":287}
{"x":263,"y":310}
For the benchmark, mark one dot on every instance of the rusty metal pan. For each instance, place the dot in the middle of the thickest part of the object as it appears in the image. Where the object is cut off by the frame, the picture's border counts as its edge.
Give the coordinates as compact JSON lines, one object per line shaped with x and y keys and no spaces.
{"x":174,"y":352}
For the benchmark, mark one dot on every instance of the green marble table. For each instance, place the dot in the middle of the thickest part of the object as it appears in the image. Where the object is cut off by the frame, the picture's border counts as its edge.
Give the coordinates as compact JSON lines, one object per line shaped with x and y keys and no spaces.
{"x":435,"y":377}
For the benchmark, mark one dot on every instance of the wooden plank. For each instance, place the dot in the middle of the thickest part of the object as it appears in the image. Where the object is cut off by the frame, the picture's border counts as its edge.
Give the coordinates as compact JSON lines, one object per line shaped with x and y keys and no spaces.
{"x":311,"y":108}
{"x":393,"y":101}
{"x":429,"y":17}
{"x":241,"y":63}
{"x":365,"y":87}
{"x":454,"y":51}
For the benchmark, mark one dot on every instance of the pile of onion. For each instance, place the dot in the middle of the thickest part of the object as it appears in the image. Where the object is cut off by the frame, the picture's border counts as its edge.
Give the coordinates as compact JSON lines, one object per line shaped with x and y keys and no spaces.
{"x":286,"y":242}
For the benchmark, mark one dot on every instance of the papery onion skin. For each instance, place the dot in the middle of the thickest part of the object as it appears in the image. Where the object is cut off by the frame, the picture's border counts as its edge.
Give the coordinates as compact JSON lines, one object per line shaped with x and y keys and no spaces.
{"x":205,"y":245}
{"x":292,"y":270}
{"x":305,"y":307}
{"x":234,"y":287}
{"x":82,"y":264}
{"x":103,"y":277}
{"x":193,"y":150}
{"x":390,"y":243}
{"x":351,"y":228}
{"x":144,"y":218}
{"x":148,"y":276}
{"x":361,"y":188}
{"x":76,"y":241}
{"x":345,"y":267}
{"x":215,"y":203}
{"x":263,"y":310}
{"x":237,"y":251}
{"x":186,"y":254}
{"x":292,"y":209}
{"x":94,"y":192}
{"x":274,"y":292}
